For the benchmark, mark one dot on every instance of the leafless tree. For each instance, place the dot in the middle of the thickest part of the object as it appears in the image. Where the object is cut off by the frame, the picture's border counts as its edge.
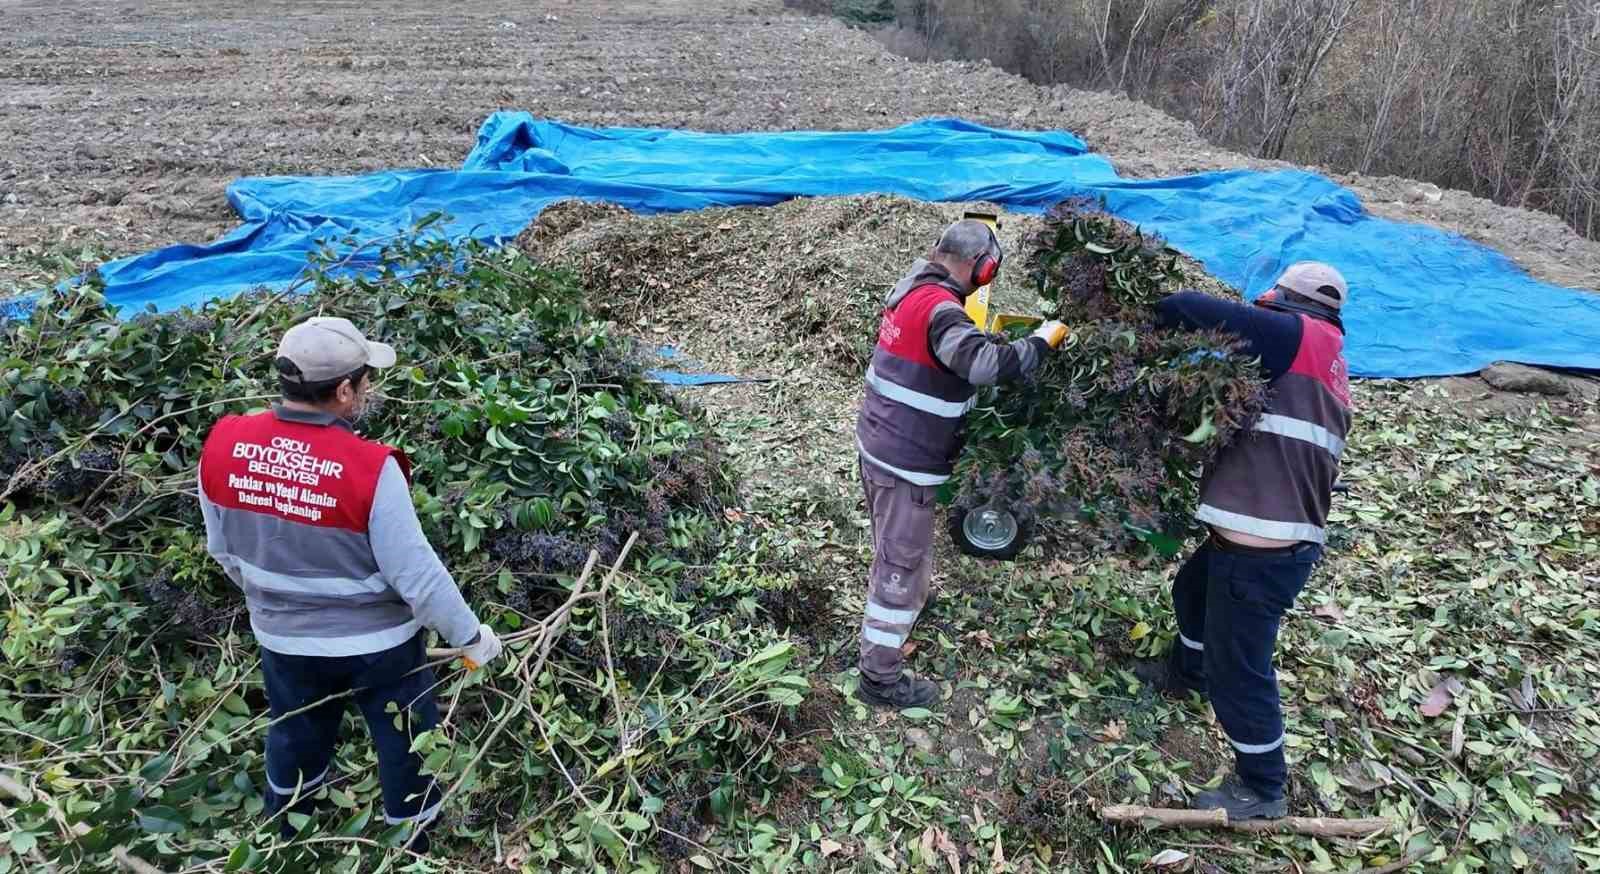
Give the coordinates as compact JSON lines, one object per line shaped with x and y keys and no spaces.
{"x":1498,"y":96}
{"x":1396,"y":32}
{"x":1271,"y":52}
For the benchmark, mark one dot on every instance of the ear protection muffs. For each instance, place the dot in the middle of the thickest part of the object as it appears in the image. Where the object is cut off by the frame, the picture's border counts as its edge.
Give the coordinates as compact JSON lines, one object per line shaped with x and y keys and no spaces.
{"x":1316,"y":311}
{"x":987,"y":267}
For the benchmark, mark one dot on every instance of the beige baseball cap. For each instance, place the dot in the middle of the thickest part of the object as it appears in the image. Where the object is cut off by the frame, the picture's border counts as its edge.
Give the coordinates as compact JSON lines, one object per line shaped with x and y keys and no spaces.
{"x":1318,"y":281}
{"x":325,"y":348}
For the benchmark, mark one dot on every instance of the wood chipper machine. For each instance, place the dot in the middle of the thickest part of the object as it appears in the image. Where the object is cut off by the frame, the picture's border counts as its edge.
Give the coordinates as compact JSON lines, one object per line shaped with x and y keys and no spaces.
{"x":988,"y":531}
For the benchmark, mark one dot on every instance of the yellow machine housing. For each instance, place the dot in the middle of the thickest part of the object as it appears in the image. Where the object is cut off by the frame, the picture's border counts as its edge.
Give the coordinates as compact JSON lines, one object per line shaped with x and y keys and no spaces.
{"x":977,"y":303}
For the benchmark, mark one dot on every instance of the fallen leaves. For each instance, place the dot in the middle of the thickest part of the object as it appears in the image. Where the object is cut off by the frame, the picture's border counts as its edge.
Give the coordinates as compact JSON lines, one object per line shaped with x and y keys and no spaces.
{"x":937,"y":840}
{"x":1525,"y":697}
{"x":1366,"y":776}
{"x":1169,"y":860}
{"x":1441,"y":697}
{"x":1112,"y":731}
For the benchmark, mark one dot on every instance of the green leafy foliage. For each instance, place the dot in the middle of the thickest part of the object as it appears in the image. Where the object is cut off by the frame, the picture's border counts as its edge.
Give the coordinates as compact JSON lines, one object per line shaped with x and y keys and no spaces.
{"x":1103,"y":444}
{"x":1460,"y":578}
{"x":131,"y":691}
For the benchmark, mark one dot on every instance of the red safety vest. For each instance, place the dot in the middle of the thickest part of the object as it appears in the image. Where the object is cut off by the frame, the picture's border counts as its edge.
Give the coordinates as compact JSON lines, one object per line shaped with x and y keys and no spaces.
{"x":322,"y":476}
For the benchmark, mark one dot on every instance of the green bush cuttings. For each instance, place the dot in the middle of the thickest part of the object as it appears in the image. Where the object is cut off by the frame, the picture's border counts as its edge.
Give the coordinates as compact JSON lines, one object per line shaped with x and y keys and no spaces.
{"x":1104,"y":443}
{"x":131,"y":688}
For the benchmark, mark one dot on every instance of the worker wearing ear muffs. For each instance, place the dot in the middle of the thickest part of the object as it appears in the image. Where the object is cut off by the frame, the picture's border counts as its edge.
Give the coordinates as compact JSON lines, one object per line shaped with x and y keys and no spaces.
{"x":925,"y":371}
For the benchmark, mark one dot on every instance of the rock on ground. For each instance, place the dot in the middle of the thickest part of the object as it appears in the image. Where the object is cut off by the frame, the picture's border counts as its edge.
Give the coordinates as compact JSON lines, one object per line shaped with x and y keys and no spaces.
{"x":1520,"y":378}
{"x":1507,"y":376}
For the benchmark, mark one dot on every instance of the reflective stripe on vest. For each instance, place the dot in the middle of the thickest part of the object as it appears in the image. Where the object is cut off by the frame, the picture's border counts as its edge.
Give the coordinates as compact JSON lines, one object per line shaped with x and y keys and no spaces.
{"x":910,"y":476}
{"x":324,"y":587}
{"x":291,"y":495}
{"x":1268,"y":528}
{"x":917,"y":400}
{"x":355,"y":644}
{"x":1300,"y":429}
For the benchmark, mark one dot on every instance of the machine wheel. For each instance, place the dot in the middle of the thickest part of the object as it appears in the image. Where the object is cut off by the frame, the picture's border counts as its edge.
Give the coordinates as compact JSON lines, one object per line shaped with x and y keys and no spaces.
{"x":989,"y":531}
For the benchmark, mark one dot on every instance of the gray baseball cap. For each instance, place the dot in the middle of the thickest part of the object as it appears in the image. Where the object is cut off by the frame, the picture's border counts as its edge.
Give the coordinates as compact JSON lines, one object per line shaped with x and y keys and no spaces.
{"x":325,"y":348}
{"x":1318,"y":281}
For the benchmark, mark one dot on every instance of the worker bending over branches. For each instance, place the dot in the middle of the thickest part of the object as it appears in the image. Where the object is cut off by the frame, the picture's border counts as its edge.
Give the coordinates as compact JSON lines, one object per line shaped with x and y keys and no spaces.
{"x":929,"y":359}
{"x":1265,"y":499}
{"x":316,"y":525}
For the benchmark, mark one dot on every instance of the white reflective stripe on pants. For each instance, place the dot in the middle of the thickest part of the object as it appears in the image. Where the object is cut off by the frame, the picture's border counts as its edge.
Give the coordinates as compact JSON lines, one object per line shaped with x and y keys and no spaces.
{"x":421,"y":817}
{"x":889,"y":614}
{"x":1192,"y":644}
{"x":1256,"y":748}
{"x":882,"y":638}
{"x":304,"y":787}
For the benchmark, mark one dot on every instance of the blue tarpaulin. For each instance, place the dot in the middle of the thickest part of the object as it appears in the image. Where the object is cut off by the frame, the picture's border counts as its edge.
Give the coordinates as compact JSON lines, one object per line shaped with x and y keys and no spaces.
{"x":1423,"y":302}
{"x":696,"y":377}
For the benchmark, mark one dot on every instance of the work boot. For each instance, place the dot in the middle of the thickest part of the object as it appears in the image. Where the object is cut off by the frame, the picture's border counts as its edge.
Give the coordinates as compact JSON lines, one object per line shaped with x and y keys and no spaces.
{"x":1240,"y":801}
{"x":1159,"y":675}
{"x":908,"y":691}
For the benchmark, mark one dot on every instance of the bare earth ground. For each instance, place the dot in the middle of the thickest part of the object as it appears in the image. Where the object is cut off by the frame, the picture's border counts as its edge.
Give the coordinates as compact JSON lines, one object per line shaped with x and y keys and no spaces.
{"x":121,"y":124}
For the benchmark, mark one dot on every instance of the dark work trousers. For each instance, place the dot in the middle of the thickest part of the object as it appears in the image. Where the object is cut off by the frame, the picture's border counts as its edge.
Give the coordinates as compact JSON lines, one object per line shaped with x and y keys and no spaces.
{"x":1229,"y":601}
{"x":300,"y":748}
{"x":902,"y":566}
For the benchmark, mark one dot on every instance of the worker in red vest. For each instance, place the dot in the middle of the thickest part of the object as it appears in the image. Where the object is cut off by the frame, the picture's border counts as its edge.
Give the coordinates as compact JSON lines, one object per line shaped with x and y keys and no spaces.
{"x":316,"y":525}
{"x":1264,"y":500}
{"x":929,"y":360}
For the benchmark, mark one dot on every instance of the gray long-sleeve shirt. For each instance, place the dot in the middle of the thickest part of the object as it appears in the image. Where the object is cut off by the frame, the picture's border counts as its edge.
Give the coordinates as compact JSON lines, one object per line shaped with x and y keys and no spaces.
{"x":976,"y":357}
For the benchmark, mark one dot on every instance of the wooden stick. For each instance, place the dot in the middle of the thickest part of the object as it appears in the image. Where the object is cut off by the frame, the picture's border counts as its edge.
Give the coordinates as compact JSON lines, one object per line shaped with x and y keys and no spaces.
{"x":542,"y":650}
{"x":557,"y":625}
{"x":1320,"y":826}
{"x":26,"y":795}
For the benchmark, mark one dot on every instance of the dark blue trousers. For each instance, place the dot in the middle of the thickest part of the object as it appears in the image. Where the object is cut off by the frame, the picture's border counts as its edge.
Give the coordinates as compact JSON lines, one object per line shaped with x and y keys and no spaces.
{"x":300,"y":748}
{"x":1229,"y":602}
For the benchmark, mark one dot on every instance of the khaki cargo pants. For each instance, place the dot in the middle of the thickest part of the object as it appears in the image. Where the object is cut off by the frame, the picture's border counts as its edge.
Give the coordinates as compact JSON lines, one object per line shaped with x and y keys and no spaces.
{"x":902,"y":566}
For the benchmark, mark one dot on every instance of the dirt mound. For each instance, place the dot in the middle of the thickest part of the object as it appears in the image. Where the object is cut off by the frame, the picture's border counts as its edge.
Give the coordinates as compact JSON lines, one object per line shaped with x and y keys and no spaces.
{"x":806,"y":272}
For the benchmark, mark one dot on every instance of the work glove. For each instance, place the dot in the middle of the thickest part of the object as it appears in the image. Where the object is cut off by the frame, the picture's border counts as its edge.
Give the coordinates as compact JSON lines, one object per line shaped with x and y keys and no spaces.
{"x":483,"y":650}
{"x":1052,"y":332}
